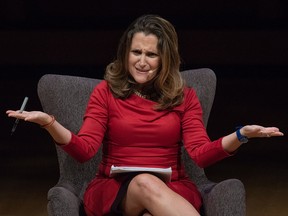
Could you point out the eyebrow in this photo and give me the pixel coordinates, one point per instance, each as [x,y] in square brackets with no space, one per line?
[147,52]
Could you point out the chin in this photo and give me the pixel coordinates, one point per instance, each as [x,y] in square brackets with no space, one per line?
[141,81]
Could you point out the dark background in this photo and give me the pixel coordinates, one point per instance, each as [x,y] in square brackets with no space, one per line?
[244,42]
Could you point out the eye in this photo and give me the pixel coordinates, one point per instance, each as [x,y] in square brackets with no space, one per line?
[136,52]
[152,54]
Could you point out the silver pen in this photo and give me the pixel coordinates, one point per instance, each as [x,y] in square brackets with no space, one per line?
[21,110]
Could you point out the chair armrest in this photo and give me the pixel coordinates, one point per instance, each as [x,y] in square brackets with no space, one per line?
[225,198]
[63,202]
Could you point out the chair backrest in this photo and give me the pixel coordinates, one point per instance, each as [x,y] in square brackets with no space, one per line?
[204,82]
[66,98]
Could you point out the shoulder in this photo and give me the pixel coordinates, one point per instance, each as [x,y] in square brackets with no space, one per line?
[101,90]
[101,87]
[189,93]
[191,100]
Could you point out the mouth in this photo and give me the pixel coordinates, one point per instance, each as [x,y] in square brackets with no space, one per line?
[141,71]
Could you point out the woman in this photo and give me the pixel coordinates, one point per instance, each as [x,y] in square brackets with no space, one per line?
[143,114]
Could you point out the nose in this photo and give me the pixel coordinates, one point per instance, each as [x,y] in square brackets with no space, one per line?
[142,61]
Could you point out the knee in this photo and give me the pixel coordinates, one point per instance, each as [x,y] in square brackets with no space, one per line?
[146,185]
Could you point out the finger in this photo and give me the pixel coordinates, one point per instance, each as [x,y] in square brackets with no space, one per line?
[271,132]
[277,133]
[264,134]
[16,115]
[10,111]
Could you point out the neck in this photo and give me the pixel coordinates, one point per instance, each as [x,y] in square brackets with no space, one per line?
[138,93]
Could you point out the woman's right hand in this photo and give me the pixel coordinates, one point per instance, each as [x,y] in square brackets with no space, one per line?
[60,134]
[37,117]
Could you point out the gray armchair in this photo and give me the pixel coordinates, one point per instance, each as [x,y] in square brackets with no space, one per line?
[66,97]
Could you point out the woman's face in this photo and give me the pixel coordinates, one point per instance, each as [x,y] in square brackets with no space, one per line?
[144,59]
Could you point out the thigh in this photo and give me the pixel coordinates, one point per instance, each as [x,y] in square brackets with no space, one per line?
[188,190]
[148,192]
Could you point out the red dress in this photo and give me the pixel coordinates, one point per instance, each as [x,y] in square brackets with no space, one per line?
[134,134]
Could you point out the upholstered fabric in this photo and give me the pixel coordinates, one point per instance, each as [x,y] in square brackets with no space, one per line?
[66,97]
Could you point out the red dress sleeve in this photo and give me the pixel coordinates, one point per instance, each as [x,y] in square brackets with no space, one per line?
[195,138]
[86,143]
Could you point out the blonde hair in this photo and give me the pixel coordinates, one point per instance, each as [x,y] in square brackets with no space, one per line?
[167,86]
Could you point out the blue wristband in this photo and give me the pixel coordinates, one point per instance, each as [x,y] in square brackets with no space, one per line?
[241,138]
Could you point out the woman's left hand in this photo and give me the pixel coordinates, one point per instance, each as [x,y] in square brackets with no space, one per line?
[251,131]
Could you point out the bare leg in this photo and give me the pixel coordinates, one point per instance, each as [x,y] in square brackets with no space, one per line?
[147,192]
